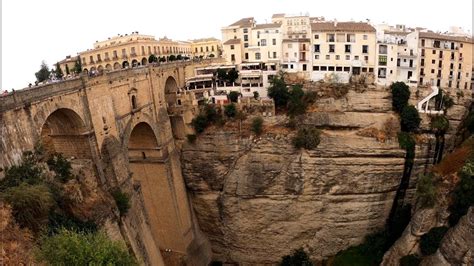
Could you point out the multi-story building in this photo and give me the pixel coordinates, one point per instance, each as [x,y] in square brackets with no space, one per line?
[445,61]
[68,64]
[206,48]
[235,38]
[296,32]
[129,50]
[342,49]
[396,56]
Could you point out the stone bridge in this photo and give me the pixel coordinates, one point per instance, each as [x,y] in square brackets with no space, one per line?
[121,122]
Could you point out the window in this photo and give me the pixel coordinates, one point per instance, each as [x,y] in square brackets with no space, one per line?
[324,68]
[203,50]
[246,30]
[290,45]
[436,44]
[328,57]
[274,41]
[132,51]
[351,38]
[124,52]
[246,38]
[316,48]
[232,57]
[316,56]
[115,54]
[332,48]
[246,56]
[274,54]
[356,57]
[365,37]
[304,67]
[432,71]
[98,58]
[134,102]
[347,69]
[91,59]
[257,56]
[383,49]
[316,36]
[231,47]
[347,48]
[258,34]
[366,58]
[382,60]
[434,51]
[207,48]
[263,42]
[348,57]
[340,37]
[315,68]
[246,45]
[330,38]
[422,63]
[107,55]
[365,49]
[339,69]
[331,68]
[338,57]
[422,42]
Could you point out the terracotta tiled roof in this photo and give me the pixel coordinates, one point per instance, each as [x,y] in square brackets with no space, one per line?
[434,35]
[281,15]
[266,26]
[232,41]
[342,26]
[245,22]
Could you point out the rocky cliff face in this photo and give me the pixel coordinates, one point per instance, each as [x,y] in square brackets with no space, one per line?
[259,198]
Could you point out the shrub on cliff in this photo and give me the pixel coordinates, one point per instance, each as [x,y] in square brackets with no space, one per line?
[307,137]
[463,195]
[27,172]
[31,204]
[299,257]
[426,191]
[430,241]
[410,119]
[230,110]
[440,123]
[71,248]
[122,200]
[296,104]
[60,166]
[257,125]
[199,123]
[400,96]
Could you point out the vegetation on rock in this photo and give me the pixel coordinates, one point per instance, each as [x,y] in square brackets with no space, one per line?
[426,191]
[463,194]
[233,96]
[440,123]
[307,137]
[230,110]
[409,119]
[400,96]
[61,166]
[122,200]
[257,125]
[72,248]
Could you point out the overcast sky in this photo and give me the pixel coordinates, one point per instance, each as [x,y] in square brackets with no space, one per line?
[36,30]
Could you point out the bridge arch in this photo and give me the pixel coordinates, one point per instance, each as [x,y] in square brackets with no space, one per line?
[108,67]
[125,64]
[148,163]
[134,63]
[144,61]
[65,132]
[171,90]
[117,66]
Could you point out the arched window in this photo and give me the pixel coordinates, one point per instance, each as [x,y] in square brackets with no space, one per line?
[134,102]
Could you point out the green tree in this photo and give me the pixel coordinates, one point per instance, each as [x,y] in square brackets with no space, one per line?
[43,73]
[430,241]
[199,123]
[230,110]
[232,75]
[221,74]
[77,66]
[299,257]
[72,248]
[58,72]
[152,59]
[28,172]
[211,56]
[172,57]
[257,125]
[179,57]
[163,59]
[256,95]
[307,137]
[61,166]
[234,96]
[463,195]
[296,105]
[278,91]
[410,119]
[400,96]
[440,123]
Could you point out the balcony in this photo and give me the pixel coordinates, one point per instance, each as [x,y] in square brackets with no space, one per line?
[408,55]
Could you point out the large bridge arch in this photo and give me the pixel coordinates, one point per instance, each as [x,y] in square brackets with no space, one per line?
[64,131]
[148,164]
[171,90]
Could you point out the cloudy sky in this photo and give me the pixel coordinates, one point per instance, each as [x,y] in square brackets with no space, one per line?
[36,30]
